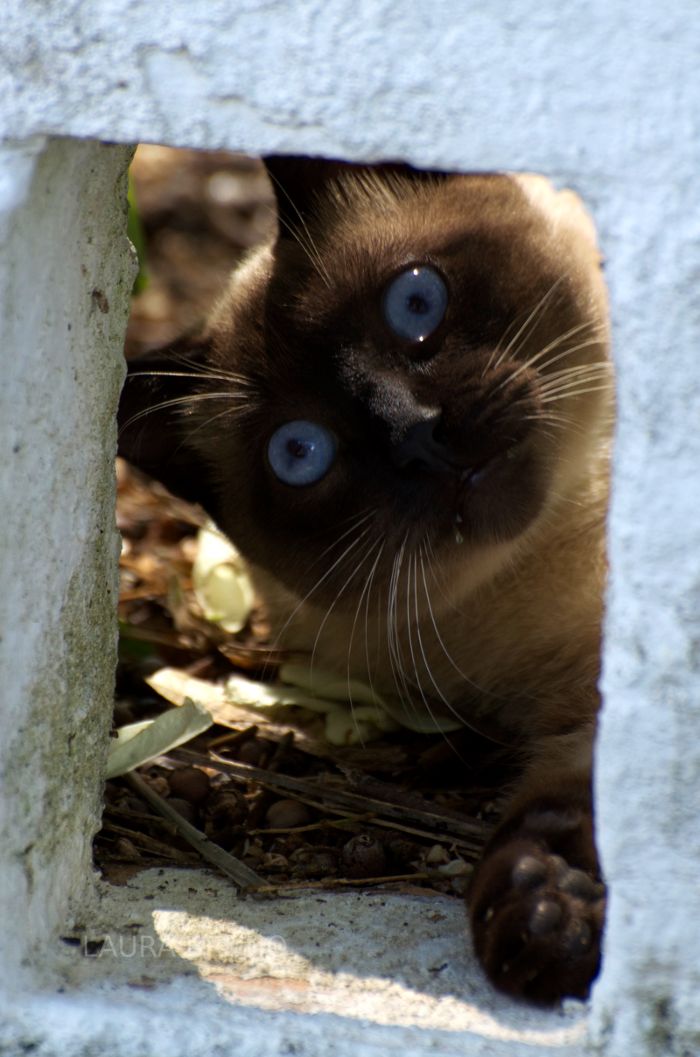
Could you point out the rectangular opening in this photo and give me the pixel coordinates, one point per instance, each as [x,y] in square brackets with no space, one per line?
[442,342]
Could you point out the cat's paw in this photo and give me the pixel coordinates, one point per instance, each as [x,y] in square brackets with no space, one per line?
[536,919]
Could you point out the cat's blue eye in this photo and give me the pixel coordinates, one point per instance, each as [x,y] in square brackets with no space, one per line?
[301,453]
[415,303]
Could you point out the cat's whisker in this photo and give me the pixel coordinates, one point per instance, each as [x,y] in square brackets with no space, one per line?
[370,582]
[389,624]
[426,663]
[418,680]
[302,238]
[559,497]
[413,568]
[531,319]
[574,370]
[541,353]
[207,422]
[355,522]
[600,367]
[433,566]
[379,543]
[197,369]
[239,380]
[590,343]
[587,328]
[393,643]
[553,398]
[588,374]
[322,579]
[354,572]
[448,655]
[306,243]
[573,380]
[178,401]
[368,579]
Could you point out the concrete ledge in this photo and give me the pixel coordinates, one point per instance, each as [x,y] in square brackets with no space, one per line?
[177,957]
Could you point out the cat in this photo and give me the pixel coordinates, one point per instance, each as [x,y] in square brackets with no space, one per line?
[400,412]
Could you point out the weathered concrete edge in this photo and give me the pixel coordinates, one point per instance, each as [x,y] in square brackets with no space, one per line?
[65,279]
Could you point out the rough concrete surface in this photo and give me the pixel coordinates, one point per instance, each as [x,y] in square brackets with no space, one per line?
[455,84]
[375,970]
[65,274]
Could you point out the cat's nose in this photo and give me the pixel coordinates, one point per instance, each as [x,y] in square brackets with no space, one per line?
[423,443]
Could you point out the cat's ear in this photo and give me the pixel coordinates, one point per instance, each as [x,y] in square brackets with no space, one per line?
[298,183]
[154,428]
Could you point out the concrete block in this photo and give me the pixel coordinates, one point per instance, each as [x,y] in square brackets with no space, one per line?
[65,276]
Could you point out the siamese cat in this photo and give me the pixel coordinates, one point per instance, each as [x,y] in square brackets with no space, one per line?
[400,412]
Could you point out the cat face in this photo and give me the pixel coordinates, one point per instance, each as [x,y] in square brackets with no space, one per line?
[417,365]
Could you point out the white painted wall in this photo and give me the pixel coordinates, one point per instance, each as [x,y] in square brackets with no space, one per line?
[600,95]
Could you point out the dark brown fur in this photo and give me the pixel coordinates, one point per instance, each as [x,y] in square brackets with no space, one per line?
[479,599]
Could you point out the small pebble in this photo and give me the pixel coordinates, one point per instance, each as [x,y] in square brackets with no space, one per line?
[227,807]
[252,851]
[437,855]
[189,783]
[158,783]
[456,868]
[287,814]
[364,856]
[274,863]
[402,852]
[126,850]
[314,862]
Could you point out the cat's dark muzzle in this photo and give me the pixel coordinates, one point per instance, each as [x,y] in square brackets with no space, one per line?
[420,446]
[423,448]
[485,490]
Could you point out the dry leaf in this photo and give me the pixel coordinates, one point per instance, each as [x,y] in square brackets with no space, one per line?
[138,743]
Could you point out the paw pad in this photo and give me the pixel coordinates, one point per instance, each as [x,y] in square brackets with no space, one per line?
[545,917]
[529,872]
[537,921]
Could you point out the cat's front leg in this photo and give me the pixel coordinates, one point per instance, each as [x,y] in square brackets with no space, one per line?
[537,901]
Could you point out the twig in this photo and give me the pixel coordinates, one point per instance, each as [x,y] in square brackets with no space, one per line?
[326,823]
[174,640]
[147,843]
[472,849]
[339,882]
[241,874]
[469,834]
[234,737]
